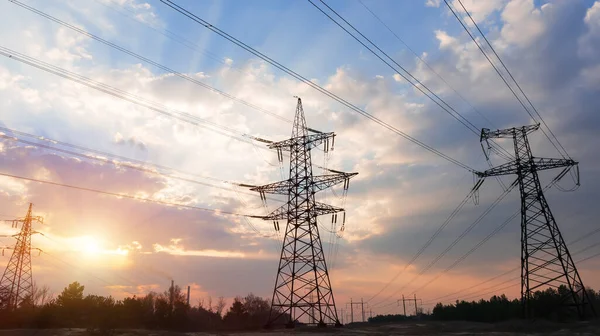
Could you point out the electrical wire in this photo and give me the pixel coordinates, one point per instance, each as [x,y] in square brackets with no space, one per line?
[141,199]
[563,153]
[454,243]
[479,244]
[516,268]
[142,166]
[517,83]
[182,116]
[412,80]
[464,256]
[422,60]
[426,245]
[186,43]
[71,266]
[149,61]
[294,74]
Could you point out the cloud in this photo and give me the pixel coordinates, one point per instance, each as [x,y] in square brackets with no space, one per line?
[400,197]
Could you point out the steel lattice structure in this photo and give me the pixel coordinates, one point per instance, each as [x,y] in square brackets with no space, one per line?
[545,258]
[16,285]
[302,287]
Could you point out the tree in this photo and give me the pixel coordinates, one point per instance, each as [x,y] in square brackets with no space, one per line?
[70,304]
[221,303]
[41,295]
[71,294]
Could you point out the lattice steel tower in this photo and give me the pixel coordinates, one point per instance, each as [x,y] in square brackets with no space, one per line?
[302,287]
[16,285]
[545,259]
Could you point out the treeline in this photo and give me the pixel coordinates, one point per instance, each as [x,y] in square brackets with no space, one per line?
[166,311]
[550,304]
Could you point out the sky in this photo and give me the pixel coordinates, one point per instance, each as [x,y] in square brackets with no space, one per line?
[403,193]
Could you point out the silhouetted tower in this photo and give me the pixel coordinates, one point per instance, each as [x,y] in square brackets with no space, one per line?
[16,285]
[302,287]
[545,259]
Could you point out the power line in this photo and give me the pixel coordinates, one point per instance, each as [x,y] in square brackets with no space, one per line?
[142,166]
[477,294]
[94,276]
[184,42]
[292,73]
[515,81]
[516,268]
[471,251]
[426,245]
[141,199]
[416,84]
[563,153]
[149,61]
[454,243]
[481,242]
[182,116]
[422,60]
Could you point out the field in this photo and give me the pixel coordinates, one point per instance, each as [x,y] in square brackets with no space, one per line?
[425,328]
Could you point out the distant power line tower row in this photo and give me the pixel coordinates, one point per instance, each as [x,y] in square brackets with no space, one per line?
[302,287]
[545,258]
[16,285]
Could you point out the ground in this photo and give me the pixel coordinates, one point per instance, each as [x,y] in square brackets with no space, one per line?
[425,328]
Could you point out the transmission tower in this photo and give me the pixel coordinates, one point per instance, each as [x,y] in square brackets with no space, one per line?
[16,285]
[302,287]
[545,259]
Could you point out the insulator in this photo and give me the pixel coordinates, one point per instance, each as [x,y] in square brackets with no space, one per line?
[332,218]
[277,226]
[332,141]
[344,219]
[335,218]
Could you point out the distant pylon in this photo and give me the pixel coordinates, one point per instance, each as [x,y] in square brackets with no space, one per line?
[16,285]
[545,259]
[302,287]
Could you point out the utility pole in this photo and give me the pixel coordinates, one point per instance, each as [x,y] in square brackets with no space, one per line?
[302,263]
[409,300]
[404,305]
[188,295]
[545,258]
[172,294]
[16,284]
[416,310]
[362,307]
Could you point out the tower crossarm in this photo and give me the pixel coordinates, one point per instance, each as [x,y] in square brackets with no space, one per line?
[319,182]
[536,164]
[486,133]
[309,141]
[322,182]
[281,187]
[282,213]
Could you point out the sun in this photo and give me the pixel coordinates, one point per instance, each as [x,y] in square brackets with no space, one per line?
[92,246]
[88,245]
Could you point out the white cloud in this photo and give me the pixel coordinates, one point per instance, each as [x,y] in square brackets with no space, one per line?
[523,22]
[589,43]
[432,3]
[446,41]
[479,10]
